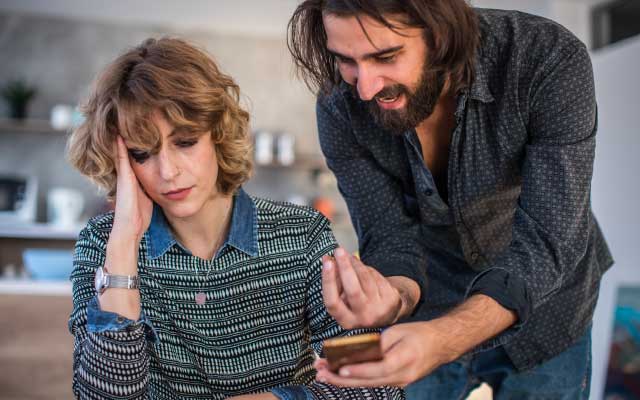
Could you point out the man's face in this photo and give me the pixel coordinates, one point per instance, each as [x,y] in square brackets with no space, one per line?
[386,69]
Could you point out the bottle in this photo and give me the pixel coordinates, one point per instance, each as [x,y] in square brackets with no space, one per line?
[286,149]
[264,148]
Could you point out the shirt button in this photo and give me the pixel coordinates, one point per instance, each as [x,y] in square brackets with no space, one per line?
[428,192]
[474,256]
[120,320]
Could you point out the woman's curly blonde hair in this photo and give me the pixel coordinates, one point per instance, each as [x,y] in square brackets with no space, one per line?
[183,83]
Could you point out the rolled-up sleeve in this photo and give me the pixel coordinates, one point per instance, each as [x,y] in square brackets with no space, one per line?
[111,354]
[551,226]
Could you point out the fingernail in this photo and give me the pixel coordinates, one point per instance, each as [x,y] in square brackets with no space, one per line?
[321,379]
[344,372]
[327,265]
[340,252]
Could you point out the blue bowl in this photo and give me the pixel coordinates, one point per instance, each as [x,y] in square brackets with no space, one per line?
[48,264]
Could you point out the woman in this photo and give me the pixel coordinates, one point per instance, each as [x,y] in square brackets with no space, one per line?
[190,288]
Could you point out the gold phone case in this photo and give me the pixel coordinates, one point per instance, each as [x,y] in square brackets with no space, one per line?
[352,350]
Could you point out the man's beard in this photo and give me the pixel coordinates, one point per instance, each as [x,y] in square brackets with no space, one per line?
[419,104]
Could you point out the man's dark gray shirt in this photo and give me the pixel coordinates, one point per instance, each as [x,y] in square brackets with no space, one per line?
[517,224]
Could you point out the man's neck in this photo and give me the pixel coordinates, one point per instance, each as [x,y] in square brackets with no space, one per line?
[435,132]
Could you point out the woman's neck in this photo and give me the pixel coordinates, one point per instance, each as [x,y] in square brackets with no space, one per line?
[204,232]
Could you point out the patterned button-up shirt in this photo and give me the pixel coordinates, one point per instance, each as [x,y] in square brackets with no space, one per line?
[519,179]
[261,325]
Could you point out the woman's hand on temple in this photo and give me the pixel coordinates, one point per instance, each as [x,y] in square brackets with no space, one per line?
[133,207]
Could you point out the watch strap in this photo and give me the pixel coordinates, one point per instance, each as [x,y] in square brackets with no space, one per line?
[122,281]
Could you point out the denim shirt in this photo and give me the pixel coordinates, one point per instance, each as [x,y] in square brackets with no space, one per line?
[518,224]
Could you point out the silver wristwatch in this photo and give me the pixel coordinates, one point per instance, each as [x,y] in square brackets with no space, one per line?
[106,280]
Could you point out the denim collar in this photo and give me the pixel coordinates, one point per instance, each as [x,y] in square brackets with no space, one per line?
[243,234]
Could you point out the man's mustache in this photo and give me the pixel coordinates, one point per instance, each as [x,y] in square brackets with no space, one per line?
[392,91]
[388,91]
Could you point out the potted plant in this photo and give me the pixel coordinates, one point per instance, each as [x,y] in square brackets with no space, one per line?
[18,93]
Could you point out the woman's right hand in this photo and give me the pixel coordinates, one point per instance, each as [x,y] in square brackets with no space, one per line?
[132,218]
[133,206]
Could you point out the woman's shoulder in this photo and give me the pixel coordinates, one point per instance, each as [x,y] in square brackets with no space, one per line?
[292,223]
[281,211]
[99,226]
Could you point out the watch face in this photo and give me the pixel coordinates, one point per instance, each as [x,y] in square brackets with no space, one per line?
[99,282]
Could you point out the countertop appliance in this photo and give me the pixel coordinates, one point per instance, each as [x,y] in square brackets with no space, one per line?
[18,198]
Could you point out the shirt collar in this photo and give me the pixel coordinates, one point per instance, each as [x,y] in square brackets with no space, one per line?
[486,56]
[480,86]
[243,234]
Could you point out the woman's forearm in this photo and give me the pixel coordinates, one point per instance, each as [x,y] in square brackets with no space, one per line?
[121,259]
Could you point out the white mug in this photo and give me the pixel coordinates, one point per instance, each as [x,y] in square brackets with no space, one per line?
[61,116]
[64,206]
[286,149]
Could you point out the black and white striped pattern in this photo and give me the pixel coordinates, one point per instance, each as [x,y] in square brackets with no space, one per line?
[263,320]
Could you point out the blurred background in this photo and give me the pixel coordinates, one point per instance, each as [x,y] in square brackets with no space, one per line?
[50,50]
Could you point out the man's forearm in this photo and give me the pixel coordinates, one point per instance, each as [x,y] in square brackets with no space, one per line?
[473,322]
[409,292]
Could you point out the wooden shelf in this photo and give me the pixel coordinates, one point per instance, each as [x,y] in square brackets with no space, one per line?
[39,231]
[35,287]
[8,125]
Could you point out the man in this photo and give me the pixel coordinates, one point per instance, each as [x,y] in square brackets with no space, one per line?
[463,143]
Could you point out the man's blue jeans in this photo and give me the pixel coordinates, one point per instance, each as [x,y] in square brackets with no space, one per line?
[565,377]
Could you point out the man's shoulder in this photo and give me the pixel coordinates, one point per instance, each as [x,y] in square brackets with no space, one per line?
[341,110]
[336,101]
[533,37]
[519,23]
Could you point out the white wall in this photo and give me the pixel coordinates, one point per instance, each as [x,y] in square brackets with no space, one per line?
[230,17]
[616,184]
[537,7]
[251,17]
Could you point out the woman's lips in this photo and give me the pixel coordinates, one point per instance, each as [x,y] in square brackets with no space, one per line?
[179,194]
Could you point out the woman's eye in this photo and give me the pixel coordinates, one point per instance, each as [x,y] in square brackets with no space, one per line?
[186,143]
[139,156]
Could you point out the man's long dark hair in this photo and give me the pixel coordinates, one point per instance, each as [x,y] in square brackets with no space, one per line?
[451,34]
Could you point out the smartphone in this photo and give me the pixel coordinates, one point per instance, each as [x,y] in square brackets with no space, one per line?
[352,350]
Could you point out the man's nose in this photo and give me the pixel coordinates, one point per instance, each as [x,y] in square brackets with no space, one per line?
[368,83]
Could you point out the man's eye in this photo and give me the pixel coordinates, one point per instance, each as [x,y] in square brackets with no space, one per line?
[386,59]
[343,60]
[139,156]
[186,143]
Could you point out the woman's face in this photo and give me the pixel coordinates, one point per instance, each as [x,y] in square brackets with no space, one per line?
[181,177]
